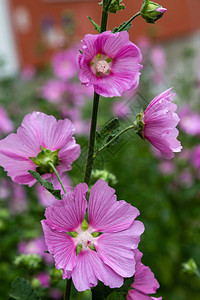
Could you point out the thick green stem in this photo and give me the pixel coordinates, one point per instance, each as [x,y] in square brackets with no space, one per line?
[90,159]
[113,139]
[130,20]
[55,171]
[68,289]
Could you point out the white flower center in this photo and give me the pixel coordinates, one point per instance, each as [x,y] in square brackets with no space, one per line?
[102,67]
[85,239]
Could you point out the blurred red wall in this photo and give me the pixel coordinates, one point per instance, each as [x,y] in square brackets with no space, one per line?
[44,26]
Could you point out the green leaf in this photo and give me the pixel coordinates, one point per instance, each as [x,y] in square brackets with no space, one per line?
[96,26]
[105,134]
[22,290]
[46,184]
[122,27]
[116,6]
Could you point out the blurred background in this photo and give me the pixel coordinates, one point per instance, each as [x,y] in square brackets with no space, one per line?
[39,42]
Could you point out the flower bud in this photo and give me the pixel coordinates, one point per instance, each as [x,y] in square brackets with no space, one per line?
[151,11]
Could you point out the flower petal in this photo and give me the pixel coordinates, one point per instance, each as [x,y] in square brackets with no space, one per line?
[116,249]
[90,268]
[105,213]
[67,214]
[136,295]
[62,246]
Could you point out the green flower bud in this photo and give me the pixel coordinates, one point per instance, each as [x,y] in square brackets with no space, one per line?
[139,125]
[28,261]
[190,266]
[151,11]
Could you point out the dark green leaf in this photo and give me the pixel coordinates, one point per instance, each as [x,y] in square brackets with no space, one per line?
[105,134]
[22,290]
[122,27]
[46,184]
[96,26]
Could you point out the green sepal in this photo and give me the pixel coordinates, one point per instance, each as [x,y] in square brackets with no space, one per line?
[21,289]
[149,13]
[72,233]
[92,247]
[46,184]
[96,234]
[84,225]
[43,158]
[106,133]
[96,26]
[139,125]
[78,249]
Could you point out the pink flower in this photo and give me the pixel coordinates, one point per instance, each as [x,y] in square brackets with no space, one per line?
[189,121]
[39,140]
[35,246]
[144,281]
[6,124]
[44,279]
[28,73]
[158,58]
[65,64]
[53,90]
[104,247]
[160,121]
[110,62]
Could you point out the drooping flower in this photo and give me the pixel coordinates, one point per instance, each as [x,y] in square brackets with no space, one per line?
[65,63]
[109,62]
[158,124]
[39,140]
[144,281]
[101,250]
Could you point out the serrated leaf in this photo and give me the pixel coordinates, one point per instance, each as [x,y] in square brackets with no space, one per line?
[22,290]
[46,184]
[96,26]
[105,134]
[122,27]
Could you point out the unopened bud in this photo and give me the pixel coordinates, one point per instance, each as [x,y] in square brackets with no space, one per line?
[151,11]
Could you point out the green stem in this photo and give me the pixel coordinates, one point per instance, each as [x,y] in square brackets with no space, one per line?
[114,138]
[130,20]
[55,171]
[68,289]
[90,158]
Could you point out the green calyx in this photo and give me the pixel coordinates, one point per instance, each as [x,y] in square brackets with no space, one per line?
[149,11]
[139,125]
[43,159]
[84,225]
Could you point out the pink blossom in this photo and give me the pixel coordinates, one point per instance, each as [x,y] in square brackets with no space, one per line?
[110,62]
[158,58]
[65,64]
[144,281]
[166,167]
[53,90]
[6,125]
[105,246]
[45,197]
[40,139]
[28,73]
[35,246]
[44,279]
[189,121]
[160,121]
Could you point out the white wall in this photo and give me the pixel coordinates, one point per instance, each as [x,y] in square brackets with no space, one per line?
[7,43]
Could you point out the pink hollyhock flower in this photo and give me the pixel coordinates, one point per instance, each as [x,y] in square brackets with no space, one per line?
[144,281]
[28,73]
[166,167]
[44,279]
[160,121]
[39,140]
[53,90]
[189,121]
[109,62]
[101,250]
[35,246]
[6,125]
[158,58]
[45,197]
[65,64]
